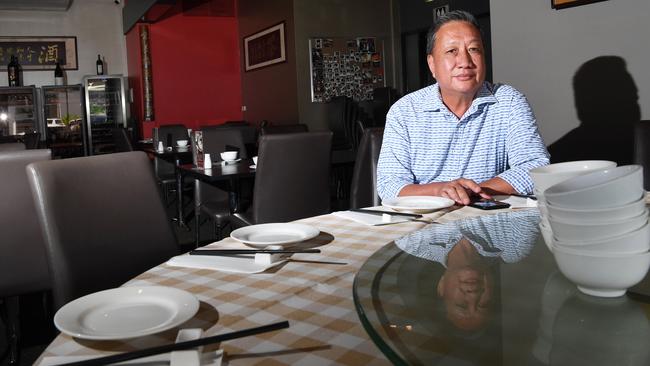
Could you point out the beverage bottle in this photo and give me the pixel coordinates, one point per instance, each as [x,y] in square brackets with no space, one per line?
[13,72]
[58,74]
[100,65]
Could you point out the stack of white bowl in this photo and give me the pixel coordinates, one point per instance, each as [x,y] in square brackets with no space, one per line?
[596,224]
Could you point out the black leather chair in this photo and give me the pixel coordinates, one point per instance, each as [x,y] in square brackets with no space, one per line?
[23,267]
[249,134]
[210,200]
[292,178]
[291,128]
[642,150]
[31,140]
[363,191]
[165,171]
[12,146]
[121,140]
[102,220]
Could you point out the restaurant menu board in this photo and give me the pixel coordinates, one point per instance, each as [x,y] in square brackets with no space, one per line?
[345,67]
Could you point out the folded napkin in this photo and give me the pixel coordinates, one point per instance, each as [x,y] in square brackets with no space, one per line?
[516,201]
[225,263]
[370,219]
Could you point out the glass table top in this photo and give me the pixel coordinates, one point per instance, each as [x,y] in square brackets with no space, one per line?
[486,291]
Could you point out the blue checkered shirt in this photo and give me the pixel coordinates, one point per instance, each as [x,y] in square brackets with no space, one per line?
[424,142]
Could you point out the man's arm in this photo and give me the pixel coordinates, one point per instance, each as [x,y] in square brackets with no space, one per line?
[524,146]
[460,190]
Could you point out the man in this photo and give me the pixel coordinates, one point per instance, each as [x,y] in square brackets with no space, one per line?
[462,136]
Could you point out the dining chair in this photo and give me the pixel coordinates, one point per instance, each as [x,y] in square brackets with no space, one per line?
[363,190]
[165,171]
[291,180]
[23,267]
[102,220]
[289,128]
[121,139]
[213,201]
[12,146]
[31,140]
[249,134]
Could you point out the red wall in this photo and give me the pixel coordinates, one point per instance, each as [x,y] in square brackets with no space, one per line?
[196,70]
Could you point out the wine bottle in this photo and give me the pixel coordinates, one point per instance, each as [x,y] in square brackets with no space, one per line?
[58,74]
[100,65]
[13,72]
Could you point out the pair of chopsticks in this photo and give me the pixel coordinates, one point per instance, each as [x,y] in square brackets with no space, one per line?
[379,212]
[250,251]
[180,346]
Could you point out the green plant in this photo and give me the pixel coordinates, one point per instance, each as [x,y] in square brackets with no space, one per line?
[68,118]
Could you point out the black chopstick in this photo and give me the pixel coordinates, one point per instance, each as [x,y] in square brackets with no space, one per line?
[531,196]
[250,251]
[379,212]
[180,346]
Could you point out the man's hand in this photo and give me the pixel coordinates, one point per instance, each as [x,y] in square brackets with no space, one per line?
[460,190]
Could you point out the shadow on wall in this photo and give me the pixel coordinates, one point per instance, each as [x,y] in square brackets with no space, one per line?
[606,100]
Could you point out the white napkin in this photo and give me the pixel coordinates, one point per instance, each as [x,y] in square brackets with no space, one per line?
[370,219]
[236,264]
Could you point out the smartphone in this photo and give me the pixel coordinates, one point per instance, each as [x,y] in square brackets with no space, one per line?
[484,204]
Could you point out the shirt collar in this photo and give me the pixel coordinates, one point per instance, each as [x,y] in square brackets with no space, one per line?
[435,104]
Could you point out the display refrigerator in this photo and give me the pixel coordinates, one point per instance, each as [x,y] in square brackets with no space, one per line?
[19,112]
[107,107]
[64,117]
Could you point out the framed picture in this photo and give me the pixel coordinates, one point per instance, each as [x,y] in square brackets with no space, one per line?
[39,53]
[561,4]
[264,48]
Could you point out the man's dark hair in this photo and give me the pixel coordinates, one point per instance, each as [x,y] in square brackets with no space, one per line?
[456,15]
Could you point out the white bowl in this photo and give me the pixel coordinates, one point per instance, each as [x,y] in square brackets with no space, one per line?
[603,275]
[600,189]
[255,160]
[545,176]
[626,211]
[585,231]
[547,234]
[637,241]
[229,155]
[181,143]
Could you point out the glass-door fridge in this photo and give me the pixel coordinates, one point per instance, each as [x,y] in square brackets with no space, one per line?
[107,106]
[19,112]
[63,113]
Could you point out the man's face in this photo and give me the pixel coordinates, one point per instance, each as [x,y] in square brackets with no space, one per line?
[457,60]
[467,294]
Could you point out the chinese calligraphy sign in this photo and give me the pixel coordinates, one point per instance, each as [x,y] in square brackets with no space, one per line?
[39,53]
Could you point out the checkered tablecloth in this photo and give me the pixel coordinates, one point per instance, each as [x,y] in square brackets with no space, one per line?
[312,291]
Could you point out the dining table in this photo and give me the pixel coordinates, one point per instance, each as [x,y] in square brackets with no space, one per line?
[369,297]
[220,172]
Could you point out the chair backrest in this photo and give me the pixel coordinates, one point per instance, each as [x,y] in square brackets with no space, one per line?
[23,267]
[276,129]
[642,150]
[249,134]
[102,219]
[121,140]
[363,191]
[216,138]
[31,140]
[176,131]
[292,177]
[12,146]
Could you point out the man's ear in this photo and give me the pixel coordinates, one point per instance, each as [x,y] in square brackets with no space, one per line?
[441,285]
[430,63]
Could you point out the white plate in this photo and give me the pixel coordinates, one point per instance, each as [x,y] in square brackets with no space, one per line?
[418,204]
[263,235]
[126,312]
[230,161]
[253,166]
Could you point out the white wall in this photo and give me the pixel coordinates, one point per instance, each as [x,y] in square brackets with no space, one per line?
[97,24]
[538,50]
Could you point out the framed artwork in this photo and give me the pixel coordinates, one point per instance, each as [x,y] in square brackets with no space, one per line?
[265,48]
[39,53]
[561,4]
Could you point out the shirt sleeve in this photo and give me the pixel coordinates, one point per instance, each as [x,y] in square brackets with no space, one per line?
[394,166]
[524,146]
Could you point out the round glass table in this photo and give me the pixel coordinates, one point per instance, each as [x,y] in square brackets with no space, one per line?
[486,291]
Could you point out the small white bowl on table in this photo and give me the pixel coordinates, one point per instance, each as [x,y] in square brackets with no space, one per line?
[633,242]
